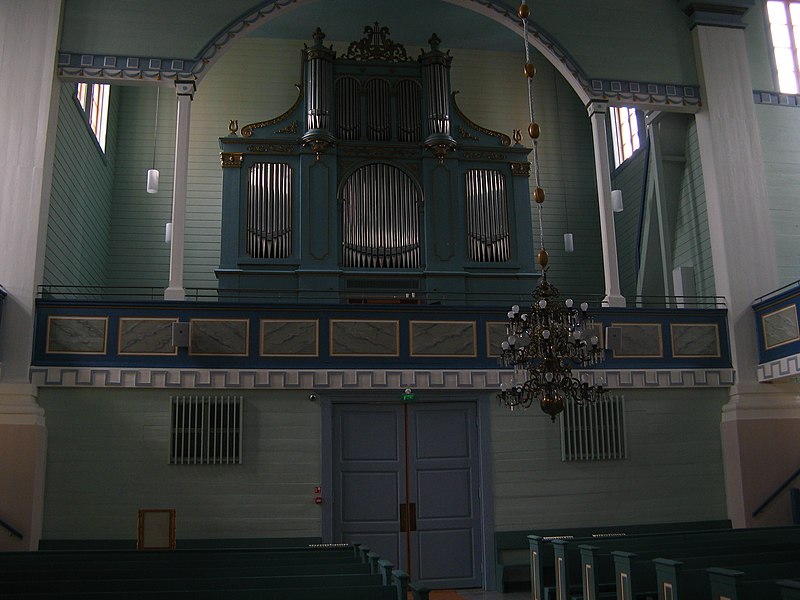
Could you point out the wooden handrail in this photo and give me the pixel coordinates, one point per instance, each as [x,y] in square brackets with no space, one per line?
[11,531]
[774,494]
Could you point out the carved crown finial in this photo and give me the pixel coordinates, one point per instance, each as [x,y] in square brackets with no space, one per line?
[376,45]
[318,36]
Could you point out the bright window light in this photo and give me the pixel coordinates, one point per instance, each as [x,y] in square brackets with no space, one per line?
[82,94]
[624,133]
[93,99]
[784,28]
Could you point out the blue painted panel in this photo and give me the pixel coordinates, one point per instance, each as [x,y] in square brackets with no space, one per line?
[774,345]
[249,317]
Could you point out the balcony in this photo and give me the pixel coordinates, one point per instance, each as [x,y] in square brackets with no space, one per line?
[778,333]
[130,338]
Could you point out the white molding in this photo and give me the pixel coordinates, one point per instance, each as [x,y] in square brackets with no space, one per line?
[18,405]
[313,379]
[787,366]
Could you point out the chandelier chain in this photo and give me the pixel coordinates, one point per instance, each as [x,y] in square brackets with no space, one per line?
[545,342]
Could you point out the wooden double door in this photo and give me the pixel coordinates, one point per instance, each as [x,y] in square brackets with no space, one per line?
[406,484]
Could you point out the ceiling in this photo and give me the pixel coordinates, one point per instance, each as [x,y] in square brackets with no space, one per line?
[183,28]
[410,22]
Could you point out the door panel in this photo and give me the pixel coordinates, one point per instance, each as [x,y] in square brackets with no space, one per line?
[369,467]
[444,482]
[431,466]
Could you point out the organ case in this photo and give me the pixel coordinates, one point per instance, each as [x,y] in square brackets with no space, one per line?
[374,184]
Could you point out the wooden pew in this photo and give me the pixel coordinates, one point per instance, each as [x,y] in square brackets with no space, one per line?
[789,588]
[637,572]
[756,581]
[512,547]
[145,584]
[597,573]
[350,573]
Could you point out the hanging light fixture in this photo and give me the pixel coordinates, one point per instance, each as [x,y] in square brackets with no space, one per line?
[544,343]
[152,174]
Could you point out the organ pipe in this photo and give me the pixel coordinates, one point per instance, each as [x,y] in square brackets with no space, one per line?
[380,219]
[318,88]
[488,235]
[269,211]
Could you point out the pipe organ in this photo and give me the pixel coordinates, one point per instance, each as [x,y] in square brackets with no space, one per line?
[374,185]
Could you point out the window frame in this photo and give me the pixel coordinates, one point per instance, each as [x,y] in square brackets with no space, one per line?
[93,100]
[617,125]
[794,44]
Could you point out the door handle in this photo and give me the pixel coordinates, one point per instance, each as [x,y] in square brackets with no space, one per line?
[408,517]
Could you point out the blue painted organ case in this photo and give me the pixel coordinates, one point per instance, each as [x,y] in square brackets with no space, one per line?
[375,187]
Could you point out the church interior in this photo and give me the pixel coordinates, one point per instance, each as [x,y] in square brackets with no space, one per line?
[428,276]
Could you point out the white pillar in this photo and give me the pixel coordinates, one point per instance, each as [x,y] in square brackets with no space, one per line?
[29,97]
[185,91]
[597,114]
[759,423]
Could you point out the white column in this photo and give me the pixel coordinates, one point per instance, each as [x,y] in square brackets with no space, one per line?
[29,100]
[176,290]
[759,423]
[597,114]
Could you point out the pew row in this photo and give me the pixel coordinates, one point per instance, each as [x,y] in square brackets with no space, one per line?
[622,566]
[341,573]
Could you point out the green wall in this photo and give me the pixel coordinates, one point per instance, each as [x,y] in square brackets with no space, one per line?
[139,256]
[780,141]
[692,245]
[629,179]
[673,471]
[107,457]
[80,201]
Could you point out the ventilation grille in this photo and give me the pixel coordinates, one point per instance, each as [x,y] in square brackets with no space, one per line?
[379,284]
[594,431]
[205,430]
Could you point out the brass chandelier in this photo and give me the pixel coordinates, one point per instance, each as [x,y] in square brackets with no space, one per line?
[544,343]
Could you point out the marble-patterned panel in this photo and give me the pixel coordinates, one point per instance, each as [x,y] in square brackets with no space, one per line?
[496,334]
[219,336]
[77,335]
[780,327]
[694,340]
[365,338]
[443,338]
[289,337]
[639,340]
[146,336]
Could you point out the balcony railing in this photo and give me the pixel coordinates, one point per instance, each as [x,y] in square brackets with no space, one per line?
[359,293]
[778,333]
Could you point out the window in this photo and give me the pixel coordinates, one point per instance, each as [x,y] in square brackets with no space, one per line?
[784,28]
[624,133]
[205,430]
[594,431]
[93,99]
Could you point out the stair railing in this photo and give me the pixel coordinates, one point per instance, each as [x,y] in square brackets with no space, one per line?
[775,494]
[11,531]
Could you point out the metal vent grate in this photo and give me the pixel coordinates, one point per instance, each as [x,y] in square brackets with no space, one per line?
[205,430]
[378,284]
[594,431]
